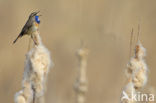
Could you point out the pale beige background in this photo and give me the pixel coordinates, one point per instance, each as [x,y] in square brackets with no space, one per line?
[105,27]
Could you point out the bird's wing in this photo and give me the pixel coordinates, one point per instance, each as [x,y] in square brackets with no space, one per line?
[26,27]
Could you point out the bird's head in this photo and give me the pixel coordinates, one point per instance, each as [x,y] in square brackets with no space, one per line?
[34,15]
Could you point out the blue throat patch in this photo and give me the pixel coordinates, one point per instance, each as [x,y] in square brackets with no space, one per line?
[37,19]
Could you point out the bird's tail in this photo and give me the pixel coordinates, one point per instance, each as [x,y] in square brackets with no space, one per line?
[16,39]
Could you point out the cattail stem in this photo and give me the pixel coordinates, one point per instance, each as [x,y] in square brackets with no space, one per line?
[81,82]
[34,94]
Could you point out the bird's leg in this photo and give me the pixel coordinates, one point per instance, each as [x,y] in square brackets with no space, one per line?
[33,38]
[29,44]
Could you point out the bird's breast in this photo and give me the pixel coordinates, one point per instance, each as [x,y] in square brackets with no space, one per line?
[36,24]
[33,28]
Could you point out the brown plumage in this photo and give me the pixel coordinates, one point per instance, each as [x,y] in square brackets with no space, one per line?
[28,28]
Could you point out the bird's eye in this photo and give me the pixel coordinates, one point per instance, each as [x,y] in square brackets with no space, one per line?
[37,19]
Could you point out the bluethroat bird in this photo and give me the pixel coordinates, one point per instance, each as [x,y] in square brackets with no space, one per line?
[30,27]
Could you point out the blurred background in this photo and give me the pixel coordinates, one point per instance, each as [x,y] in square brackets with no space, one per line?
[105,27]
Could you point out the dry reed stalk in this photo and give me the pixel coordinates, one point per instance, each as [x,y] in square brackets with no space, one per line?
[131,41]
[37,65]
[136,72]
[80,85]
